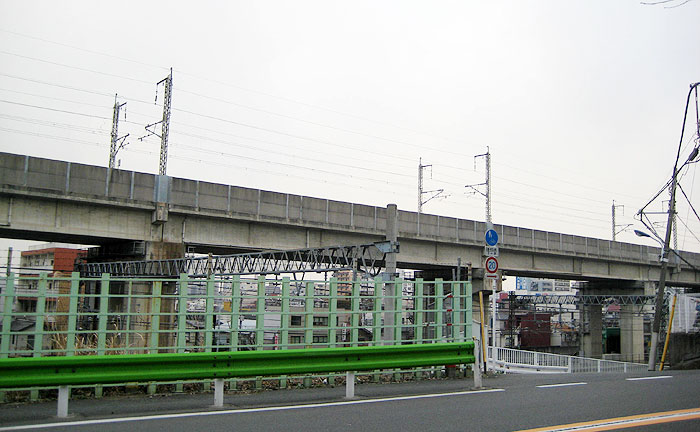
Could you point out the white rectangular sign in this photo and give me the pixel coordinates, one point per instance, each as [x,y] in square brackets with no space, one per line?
[491,251]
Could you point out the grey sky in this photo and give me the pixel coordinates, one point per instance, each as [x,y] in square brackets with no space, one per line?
[580,102]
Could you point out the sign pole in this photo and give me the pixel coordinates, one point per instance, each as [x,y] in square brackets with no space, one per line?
[491,273]
[494,284]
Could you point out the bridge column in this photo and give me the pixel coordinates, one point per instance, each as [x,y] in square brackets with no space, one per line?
[147,310]
[162,250]
[631,334]
[593,340]
[392,230]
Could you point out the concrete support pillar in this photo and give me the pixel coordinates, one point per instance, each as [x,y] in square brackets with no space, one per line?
[142,302]
[631,334]
[168,319]
[389,301]
[593,341]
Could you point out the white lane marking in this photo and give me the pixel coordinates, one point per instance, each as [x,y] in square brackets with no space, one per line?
[242,411]
[650,378]
[562,385]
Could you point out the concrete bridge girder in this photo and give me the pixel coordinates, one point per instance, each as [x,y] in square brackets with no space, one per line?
[53,200]
[43,216]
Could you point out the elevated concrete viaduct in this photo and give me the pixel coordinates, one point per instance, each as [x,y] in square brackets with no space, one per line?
[45,199]
[42,199]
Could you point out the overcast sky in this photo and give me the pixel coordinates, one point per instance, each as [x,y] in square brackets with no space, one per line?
[580,102]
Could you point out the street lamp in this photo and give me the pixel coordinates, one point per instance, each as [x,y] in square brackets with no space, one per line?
[643,234]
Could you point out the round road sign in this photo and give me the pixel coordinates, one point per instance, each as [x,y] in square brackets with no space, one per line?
[491,265]
[491,237]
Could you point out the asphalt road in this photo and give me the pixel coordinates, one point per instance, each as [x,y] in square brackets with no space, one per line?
[508,403]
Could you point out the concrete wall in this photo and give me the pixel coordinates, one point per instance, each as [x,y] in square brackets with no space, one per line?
[684,351]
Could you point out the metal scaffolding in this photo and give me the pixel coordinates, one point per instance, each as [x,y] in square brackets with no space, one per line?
[586,299]
[369,258]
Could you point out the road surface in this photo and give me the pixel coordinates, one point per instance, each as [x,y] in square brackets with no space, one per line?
[645,402]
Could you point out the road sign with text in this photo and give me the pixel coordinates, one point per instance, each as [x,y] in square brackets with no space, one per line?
[491,266]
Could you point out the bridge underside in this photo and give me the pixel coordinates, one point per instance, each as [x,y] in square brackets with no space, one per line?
[37,216]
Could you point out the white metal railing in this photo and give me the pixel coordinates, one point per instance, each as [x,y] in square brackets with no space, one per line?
[518,361]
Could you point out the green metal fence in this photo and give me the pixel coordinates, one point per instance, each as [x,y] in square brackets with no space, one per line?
[66,315]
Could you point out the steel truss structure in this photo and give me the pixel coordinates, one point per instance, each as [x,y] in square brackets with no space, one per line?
[369,258]
[586,299]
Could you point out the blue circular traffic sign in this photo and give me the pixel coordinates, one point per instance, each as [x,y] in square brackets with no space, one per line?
[491,237]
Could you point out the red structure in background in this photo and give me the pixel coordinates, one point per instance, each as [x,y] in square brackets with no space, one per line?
[52,259]
[534,328]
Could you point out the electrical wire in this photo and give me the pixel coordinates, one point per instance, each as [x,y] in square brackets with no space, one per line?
[74,67]
[337,145]
[295,166]
[403,143]
[264,129]
[279,132]
[208,79]
[53,109]
[220,100]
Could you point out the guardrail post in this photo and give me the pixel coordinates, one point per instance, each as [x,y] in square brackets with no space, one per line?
[349,384]
[219,392]
[476,366]
[63,396]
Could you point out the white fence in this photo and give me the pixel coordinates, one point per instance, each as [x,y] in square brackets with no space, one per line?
[517,361]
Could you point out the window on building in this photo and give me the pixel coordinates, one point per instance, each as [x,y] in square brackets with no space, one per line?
[320,339]
[320,321]
[30,342]
[295,320]
[295,339]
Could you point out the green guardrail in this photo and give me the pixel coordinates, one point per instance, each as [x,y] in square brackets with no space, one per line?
[128,368]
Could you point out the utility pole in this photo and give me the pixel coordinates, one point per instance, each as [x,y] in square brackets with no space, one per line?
[675,228]
[436,193]
[656,325]
[117,142]
[615,226]
[487,183]
[164,122]
[168,91]
[489,225]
